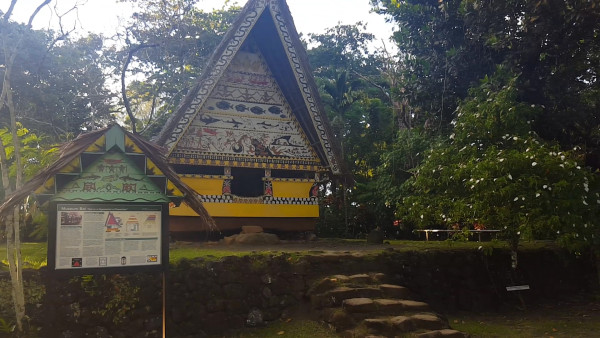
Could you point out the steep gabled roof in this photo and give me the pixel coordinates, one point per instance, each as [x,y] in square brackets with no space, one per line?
[70,152]
[269,23]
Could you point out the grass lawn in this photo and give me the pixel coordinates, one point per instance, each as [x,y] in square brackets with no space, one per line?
[35,253]
[302,328]
[567,318]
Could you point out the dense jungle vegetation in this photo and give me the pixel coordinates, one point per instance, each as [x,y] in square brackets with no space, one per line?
[487,116]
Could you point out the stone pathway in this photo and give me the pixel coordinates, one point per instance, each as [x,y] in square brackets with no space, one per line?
[365,305]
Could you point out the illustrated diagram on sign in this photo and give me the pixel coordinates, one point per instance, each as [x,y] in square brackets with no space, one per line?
[150,220]
[132,223]
[113,223]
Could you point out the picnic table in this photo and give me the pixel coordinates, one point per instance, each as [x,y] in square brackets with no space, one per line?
[451,232]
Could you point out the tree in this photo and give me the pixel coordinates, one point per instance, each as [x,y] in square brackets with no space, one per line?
[13,38]
[552,44]
[166,44]
[496,171]
[59,85]
[357,103]
[440,58]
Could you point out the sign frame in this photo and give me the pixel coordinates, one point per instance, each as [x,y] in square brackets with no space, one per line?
[53,240]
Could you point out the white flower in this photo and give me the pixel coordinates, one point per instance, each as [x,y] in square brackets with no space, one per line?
[561,165]
[421,216]
[545,186]
[515,138]
[501,160]
[562,158]
[452,137]
[584,202]
[510,176]
[533,164]
[537,195]
[578,167]
[516,199]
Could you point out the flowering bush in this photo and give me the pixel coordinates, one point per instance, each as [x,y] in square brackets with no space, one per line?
[495,170]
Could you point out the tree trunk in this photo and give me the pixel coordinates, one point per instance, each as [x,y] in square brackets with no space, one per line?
[12,220]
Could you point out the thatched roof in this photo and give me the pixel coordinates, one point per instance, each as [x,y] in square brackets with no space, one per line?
[270,24]
[71,150]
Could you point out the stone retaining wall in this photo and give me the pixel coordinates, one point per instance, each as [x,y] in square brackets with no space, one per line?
[212,297]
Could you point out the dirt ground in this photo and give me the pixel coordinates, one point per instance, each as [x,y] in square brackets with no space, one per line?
[317,246]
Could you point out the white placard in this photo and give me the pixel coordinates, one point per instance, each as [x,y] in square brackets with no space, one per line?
[107,236]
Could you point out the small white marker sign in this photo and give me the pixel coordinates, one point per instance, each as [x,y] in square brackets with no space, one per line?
[517,288]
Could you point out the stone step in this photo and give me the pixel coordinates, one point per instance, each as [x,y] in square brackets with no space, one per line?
[400,325]
[359,305]
[357,280]
[363,305]
[336,296]
[383,306]
[397,306]
[445,333]
[405,323]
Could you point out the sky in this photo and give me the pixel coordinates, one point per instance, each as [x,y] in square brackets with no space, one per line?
[310,16]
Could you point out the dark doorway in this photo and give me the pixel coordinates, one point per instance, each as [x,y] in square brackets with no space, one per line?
[247,182]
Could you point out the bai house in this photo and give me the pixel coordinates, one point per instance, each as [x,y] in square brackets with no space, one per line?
[252,137]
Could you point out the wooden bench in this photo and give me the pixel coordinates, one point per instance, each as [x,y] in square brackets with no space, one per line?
[452,232]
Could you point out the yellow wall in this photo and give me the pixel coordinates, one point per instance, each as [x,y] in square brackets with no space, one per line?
[213,186]
[250,210]
[291,189]
[205,186]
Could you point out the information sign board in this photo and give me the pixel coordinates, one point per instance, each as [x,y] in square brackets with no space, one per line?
[96,236]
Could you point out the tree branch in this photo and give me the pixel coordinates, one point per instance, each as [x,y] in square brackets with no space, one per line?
[37,10]
[124,86]
[9,11]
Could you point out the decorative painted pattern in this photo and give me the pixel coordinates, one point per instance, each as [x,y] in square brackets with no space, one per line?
[209,82]
[227,177]
[277,179]
[245,161]
[227,89]
[302,81]
[258,200]
[111,178]
[237,126]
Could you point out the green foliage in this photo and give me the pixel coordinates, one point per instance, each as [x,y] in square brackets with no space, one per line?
[34,294]
[441,60]
[35,152]
[118,295]
[58,83]
[6,327]
[496,171]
